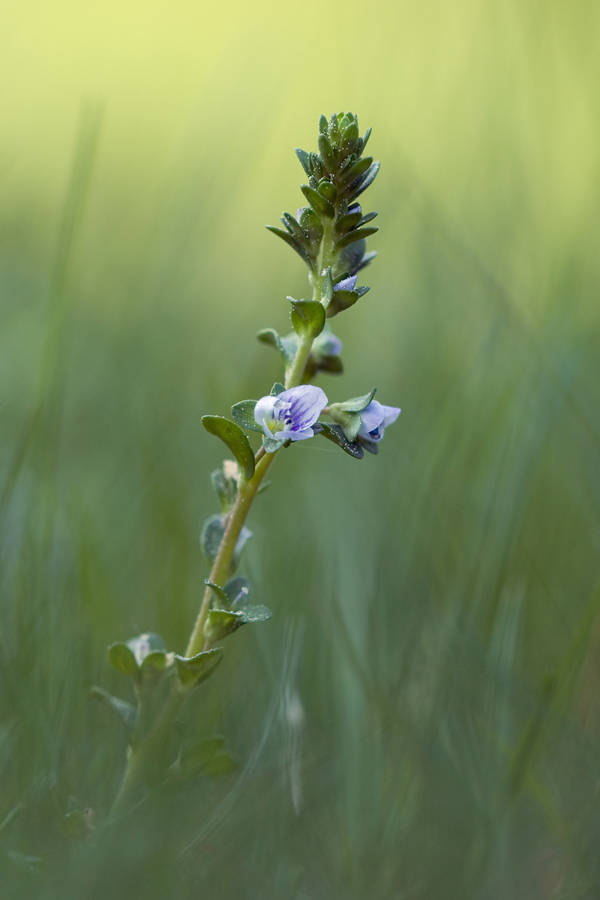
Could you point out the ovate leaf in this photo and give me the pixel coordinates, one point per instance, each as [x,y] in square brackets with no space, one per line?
[243,413]
[232,435]
[308,317]
[335,433]
[193,670]
[122,658]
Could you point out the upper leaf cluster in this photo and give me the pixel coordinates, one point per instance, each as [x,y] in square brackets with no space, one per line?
[337,175]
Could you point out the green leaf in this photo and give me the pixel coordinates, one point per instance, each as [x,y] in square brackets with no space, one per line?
[277,389]
[285,345]
[218,591]
[323,125]
[270,337]
[370,446]
[125,711]
[341,301]
[232,435]
[295,230]
[221,764]
[251,614]
[356,404]
[368,218]
[327,154]
[271,445]
[193,670]
[304,158]
[350,422]
[308,317]
[327,289]
[223,622]
[358,235]
[346,223]
[212,535]
[243,413]
[367,181]
[311,223]
[366,137]
[319,203]
[349,138]
[292,242]
[327,189]
[335,433]
[358,170]
[220,623]
[317,167]
[334,129]
[122,658]
[156,660]
[238,592]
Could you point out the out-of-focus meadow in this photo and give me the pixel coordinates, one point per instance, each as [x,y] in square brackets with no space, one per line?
[420,718]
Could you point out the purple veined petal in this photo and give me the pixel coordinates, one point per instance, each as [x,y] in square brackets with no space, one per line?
[306,404]
[371,417]
[348,284]
[302,435]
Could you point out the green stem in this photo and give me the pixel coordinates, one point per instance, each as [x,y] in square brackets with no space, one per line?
[142,758]
[220,570]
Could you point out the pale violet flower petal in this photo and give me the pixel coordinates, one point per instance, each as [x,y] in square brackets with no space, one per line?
[375,418]
[295,435]
[371,417]
[306,404]
[348,284]
[291,415]
[391,413]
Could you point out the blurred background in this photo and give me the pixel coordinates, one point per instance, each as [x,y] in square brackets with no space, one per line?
[420,719]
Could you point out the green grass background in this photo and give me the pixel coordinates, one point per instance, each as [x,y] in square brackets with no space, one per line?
[435,608]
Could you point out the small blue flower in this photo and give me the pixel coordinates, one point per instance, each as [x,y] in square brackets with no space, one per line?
[291,415]
[375,418]
[348,284]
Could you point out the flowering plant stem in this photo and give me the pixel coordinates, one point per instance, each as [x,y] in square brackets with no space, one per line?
[330,237]
[142,758]
[220,570]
